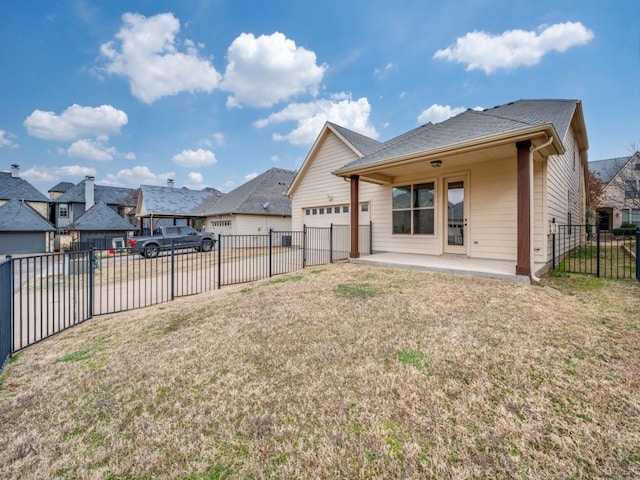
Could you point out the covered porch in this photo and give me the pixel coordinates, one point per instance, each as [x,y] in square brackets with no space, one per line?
[459,265]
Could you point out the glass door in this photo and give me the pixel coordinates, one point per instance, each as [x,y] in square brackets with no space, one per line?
[455,217]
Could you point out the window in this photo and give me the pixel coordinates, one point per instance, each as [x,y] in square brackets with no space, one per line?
[364,207]
[322,211]
[635,216]
[336,210]
[329,210]
[315,211]
[413,209]
[625,215]
[345,209]
[631,189]
[63,210]
[220,223]
[307,212]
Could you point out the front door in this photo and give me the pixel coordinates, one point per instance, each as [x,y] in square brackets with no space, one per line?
[455,216]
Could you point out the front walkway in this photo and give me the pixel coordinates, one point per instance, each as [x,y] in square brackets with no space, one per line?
[475,267]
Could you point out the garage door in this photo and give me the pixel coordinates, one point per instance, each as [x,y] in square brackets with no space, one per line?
[22,242]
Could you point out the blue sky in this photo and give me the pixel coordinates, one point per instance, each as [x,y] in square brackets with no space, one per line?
[213,92]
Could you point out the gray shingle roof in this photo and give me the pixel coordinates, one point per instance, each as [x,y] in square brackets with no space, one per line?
[363,143]
[62,187]
[100,218]
[16,216]
[102,193]
[607,169]
[20,189]
[474,125]
[267,189]
[175,201]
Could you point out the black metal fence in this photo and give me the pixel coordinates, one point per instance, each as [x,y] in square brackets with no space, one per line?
[42,295]
[589,250]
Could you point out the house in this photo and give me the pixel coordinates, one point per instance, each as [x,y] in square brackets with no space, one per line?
[81,197]
[12,186]
[59,189]
[23,229]
[253,208]
[482,185]
[620,199]
[99,227]
[168,205]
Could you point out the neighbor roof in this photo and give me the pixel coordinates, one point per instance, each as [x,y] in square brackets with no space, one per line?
[62,187]
[175,201]
[474,125]
[17,216]
[19,188]
[101,193]
[101,218]
[262,195]
[607,169]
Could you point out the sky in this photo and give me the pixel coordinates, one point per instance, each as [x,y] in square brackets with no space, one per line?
[212,93]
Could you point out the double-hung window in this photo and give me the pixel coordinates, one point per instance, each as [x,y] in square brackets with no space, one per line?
[631,189]
[413,208]
[63,210]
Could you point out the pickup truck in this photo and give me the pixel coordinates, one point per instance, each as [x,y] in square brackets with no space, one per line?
[178,236]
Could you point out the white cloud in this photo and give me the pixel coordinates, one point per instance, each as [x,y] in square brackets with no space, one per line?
[195,181]
[340,109]
[5,139]
[380,72]
[438,113]
[195,158]
[136,176]
[75,122]
[218,137]
[250,176]
[96,150]
[514,48]
[266,70]
[275,158]
[145,51]
[52,175]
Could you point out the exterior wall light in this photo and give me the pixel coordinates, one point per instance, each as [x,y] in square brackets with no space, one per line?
[436,163]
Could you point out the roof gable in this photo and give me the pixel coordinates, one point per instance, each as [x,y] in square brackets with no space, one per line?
[17,216]
[20,189]
[607,169]
[101,218]
[263,195]
[473,125]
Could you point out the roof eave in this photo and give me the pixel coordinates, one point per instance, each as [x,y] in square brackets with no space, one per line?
[544,132]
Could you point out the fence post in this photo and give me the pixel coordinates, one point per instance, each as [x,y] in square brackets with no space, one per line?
[331,243]
[597,250]
[638,255]
[370,237]
[304,246]
[173,256]
[270,252]
[92,253]
[219,261]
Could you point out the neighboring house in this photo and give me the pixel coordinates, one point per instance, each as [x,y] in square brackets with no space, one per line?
[254,207]
[483,184]
[620,199]
[99,227]
[168,205]
[23,230]
[12,186]
[81,197]
[58,190]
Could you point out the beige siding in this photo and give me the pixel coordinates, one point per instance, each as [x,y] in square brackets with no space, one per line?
[247,224]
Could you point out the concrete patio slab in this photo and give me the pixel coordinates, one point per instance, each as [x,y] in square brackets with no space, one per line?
[476,267]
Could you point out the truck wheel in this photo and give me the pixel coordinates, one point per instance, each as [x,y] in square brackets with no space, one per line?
[151,251]
[206,245]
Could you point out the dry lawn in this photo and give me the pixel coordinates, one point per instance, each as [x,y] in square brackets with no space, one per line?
[341,372]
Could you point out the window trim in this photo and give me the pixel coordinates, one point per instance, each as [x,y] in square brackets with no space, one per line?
[411,209]
[60,207]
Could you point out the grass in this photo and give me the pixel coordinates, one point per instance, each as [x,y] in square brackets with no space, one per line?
[417,375]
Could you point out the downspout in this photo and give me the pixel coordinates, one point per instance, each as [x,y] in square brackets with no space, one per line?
[531,200]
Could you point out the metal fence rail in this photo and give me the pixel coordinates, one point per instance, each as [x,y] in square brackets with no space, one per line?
[42,295]
[586,249]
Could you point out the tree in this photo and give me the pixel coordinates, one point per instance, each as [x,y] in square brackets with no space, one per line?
[596,189]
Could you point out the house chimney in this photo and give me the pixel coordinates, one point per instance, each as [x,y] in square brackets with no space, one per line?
[89,192]
[170,182]
[15,170]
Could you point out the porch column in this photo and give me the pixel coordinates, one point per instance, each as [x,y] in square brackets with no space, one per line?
[355,215]
[523,265]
